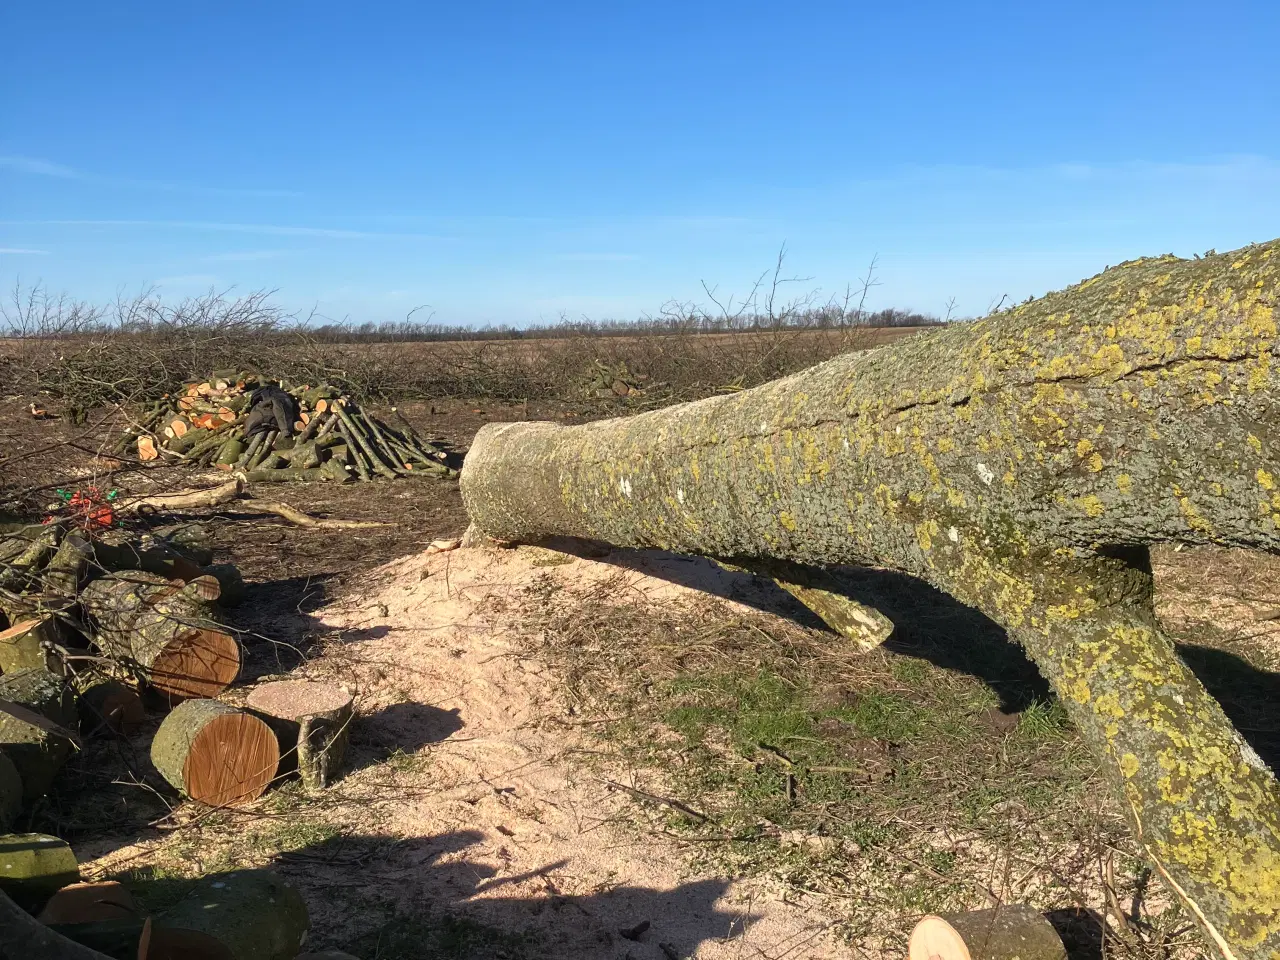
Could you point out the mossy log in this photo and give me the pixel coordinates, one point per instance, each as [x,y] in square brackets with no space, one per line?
[165,629]
[242,915]
[107,705]
[33,866]
[1023,464]
[1009,932]
[29,644]
[312,722]
[215,753]
[37,727]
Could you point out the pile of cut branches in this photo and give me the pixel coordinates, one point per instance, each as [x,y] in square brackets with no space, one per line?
[230,422]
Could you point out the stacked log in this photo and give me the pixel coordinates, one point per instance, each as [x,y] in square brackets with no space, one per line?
[312,722]
[37,727]
[216,754]
[332,439]
[165,629]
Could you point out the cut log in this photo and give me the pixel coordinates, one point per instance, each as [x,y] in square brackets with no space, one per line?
[165,630]
[312,721]
[37,727]
[1009,932]
[147,449]
[1022,464]
[215,753]
[11,792]
[46,693]
[107,706]
[254,914]
[27,645]
[178,426]
[243,915]
[34,866]
[69,567]
[89,903]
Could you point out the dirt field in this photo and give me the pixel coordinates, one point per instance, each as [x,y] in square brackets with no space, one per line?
[556,746]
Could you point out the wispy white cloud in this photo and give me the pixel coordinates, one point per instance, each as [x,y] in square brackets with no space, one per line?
[47,168]
[24,250]
[244,256]
[42,168]
[266,229]
[598,257]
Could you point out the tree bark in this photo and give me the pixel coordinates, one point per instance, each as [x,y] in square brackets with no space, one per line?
[1005,461]
[33,866]
[23,646]
[37,724]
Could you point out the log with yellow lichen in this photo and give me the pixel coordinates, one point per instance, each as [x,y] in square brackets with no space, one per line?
[1022,463]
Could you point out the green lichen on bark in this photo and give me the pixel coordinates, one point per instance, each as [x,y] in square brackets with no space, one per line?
[1002,461]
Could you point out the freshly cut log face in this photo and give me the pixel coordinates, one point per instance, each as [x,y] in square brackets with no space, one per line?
[215,753]
[312,721]
[89,902]
[1011,932]
[166,629]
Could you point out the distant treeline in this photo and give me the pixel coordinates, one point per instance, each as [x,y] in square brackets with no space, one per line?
[409,331]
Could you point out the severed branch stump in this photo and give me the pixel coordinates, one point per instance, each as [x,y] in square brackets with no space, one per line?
[312,721]
[164,628]
[215,753]
[1010,932]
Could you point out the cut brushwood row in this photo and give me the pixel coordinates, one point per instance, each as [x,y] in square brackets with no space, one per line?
[212,424]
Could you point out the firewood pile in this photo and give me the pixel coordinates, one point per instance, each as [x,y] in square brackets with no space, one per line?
[98,629]
[272,431]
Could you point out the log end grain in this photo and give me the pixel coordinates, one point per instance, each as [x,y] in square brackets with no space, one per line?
[198,662]
[215,753]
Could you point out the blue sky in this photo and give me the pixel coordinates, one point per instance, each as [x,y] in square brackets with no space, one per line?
[506,162]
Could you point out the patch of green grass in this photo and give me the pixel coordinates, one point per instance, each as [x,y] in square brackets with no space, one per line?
[878,778]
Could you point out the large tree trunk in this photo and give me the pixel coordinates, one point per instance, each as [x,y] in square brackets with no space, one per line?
[1022,464]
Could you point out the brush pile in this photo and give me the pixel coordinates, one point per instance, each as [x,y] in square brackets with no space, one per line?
[272,431]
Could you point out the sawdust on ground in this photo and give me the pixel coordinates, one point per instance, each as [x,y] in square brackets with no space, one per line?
[495,815]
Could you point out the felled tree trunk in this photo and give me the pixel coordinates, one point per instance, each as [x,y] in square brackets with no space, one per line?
[1021,463]
[165,629]
[1010,932]
[215,753]
[37,723]
[312,721]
